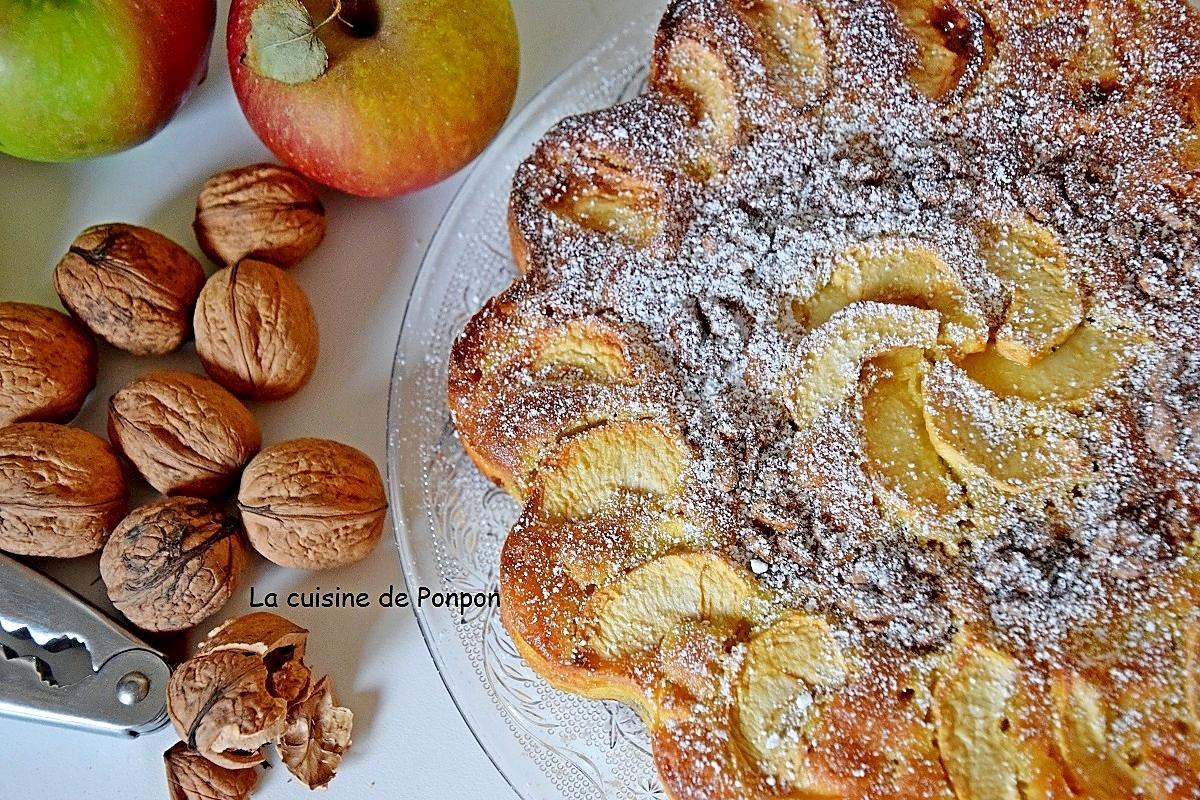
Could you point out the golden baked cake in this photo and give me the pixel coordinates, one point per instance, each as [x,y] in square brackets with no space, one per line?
[851,392]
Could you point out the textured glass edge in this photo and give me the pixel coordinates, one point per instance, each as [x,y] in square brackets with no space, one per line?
[407,497]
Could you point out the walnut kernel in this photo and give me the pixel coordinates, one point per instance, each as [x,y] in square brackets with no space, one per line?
[173,563]
[183,433]
[191,776]
[312,504]
[317,736]
[261,211]
[255,331]
[47,364]
[61,490]
[130,286]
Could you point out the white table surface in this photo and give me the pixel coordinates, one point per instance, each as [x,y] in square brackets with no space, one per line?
[409,741]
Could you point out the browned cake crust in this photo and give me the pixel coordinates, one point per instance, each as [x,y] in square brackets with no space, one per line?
[851,391]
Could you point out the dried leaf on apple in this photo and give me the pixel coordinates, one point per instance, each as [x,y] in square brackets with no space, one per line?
[283,44]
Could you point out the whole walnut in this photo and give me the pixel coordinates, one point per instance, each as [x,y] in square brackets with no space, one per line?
[47,364]
[183,433]
[255,331]
[312,504]
[130,286]
[61,490]
[261,211]
[173,563]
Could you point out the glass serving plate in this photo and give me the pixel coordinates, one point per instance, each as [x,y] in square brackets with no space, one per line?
[450,522]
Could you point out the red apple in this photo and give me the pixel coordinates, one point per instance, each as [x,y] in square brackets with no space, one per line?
[401,94]
[87,77]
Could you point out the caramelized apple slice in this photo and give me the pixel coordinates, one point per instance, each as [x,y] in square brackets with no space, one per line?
[1046,304]
[692,71]
[1088,361]
[950,44]
[591,469]
[833,355]
[787,668]
[907,273]
[976,731]
[608,197]
[899,453]
[1014,444]
[1095,69]
[635,614]
[585,346]
[1083,741]
[791,42]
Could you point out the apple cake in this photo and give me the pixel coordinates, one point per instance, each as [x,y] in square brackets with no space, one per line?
[850,390]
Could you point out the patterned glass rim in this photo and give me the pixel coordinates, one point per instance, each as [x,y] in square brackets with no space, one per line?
[404,390]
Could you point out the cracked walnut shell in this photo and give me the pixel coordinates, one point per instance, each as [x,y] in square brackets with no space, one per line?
[312,504]
[256,333]
[183,433]
[47,364]
[130,286]
[261,211]
[173,563]
[248,685]
[61,490]
[224,708]
[191,776]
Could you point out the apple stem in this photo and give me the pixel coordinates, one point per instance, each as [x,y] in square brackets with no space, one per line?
[360,18]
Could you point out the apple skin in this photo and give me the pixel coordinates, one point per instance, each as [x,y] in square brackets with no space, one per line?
[81,78]
[396,111]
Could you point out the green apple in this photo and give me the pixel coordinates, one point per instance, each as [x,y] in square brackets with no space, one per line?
[80,78]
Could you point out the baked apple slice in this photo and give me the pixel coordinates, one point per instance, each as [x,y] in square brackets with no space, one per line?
[950,44]
[1077,370]
[592,469]
[831,357]
[635,614]
[787,668]
[977,729]
[1082,733]
[905,273]
[1046,304]
[899,454]
[791,43]
[1015,445]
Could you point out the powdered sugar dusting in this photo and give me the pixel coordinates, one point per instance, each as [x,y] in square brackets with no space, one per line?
[1105,501]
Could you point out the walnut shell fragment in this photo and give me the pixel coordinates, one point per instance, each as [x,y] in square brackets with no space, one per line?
[61,490]
[270,636]
[256,333]
[183,433]
[191,776]
[130,286]
[173,563]
[47,364]
[262,211]
[317,736]
[312,504]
